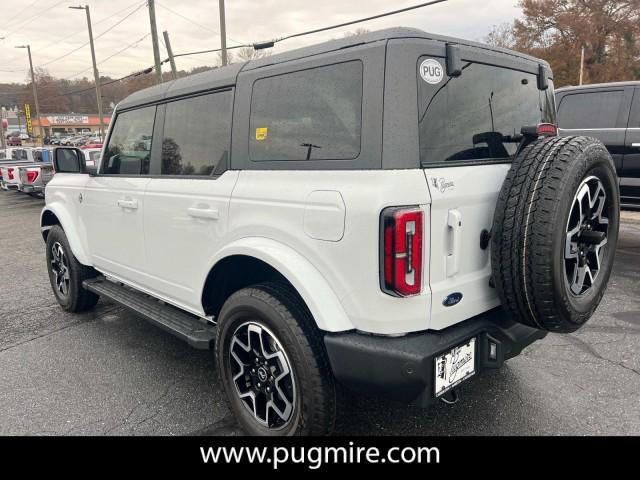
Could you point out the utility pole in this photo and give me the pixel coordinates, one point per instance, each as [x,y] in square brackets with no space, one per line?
[154,39]
[35,91]
[581,64]
[3,140]
[96,75]
[172,61]
[223,33]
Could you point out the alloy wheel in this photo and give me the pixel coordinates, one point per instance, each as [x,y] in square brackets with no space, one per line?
[586,235]
[262,375]
[60,269]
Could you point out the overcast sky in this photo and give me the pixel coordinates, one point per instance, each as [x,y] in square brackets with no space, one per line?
[53,30]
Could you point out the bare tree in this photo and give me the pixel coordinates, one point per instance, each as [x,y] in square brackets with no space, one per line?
[501,36]
[249,53]
[356,32]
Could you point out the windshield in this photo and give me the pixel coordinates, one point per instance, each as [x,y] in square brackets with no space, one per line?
[478,115]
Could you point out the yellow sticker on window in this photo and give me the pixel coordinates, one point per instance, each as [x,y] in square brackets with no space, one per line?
[261,133]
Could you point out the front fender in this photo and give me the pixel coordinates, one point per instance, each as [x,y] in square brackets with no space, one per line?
[67,223]
[306,279]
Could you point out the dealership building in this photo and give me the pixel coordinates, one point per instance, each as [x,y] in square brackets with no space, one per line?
[74,123]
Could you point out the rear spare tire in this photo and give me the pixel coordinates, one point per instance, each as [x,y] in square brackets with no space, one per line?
[555,232]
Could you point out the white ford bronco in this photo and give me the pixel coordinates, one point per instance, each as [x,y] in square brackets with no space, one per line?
[392,213]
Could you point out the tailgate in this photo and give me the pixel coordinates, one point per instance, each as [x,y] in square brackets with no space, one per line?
[463,202]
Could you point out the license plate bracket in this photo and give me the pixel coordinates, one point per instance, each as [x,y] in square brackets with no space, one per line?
[454,366]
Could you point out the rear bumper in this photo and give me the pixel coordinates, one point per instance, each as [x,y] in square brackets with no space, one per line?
[402,368]
[31,188]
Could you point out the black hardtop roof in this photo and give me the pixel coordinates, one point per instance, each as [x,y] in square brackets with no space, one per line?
[226,76]
[634,83]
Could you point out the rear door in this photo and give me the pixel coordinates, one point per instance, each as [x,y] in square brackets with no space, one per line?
[113,201]
[187,201]
[466,129]
[601,113]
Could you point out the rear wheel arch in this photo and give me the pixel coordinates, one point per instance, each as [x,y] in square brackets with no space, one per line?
[232,274]
[257,260]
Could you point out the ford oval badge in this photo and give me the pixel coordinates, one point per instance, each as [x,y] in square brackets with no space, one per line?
[452,299]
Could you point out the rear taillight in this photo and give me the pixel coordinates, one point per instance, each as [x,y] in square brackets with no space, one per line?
[32,175]
[10,173]
[401,250]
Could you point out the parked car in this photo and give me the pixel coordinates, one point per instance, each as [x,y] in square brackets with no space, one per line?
[324,216]
[35,176]
[14,141]
[9,168]
[609,112]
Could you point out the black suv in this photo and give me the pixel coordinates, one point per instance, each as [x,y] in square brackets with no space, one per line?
[609,112]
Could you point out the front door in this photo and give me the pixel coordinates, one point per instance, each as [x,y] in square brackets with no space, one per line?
[113,201]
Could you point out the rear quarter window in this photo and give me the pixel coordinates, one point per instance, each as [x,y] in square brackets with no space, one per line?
[474,116]
[313,114]
[590,110]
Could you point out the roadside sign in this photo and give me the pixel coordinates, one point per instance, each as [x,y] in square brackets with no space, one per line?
[27,114]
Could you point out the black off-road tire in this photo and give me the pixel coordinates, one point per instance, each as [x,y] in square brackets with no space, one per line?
[278,308]
[530,229]
[77,299]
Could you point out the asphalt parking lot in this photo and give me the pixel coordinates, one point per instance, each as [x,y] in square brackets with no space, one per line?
[108,372]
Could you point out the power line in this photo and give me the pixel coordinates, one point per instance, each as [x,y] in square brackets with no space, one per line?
[353,22]
[134,74]
[134,44]
[77,32]
[29,20]
[22,11]
[194,22]
[95,38]
[269,44]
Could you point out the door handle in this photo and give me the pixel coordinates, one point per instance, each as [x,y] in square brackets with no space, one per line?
[635,145]
[454,222]
[131,204]
[207,213]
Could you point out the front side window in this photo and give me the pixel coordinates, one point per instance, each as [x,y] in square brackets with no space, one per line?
[590,110]
[129,148]
[478,115]
[313,114]
[197,132]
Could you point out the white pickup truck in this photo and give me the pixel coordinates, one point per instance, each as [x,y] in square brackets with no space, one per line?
[392,212]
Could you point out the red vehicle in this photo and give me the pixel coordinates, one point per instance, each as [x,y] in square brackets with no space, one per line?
[91,145]
[14,141]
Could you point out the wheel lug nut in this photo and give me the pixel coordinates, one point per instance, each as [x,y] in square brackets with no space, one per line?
[259,385]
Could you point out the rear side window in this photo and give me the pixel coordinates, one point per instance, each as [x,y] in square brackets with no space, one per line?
[129,148]
[196,134]
[475,116]
[590,110]
[313,114]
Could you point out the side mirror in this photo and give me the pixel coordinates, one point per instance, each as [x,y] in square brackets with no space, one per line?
[69,160]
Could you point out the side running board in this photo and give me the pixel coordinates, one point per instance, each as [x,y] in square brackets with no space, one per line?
[183,325]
